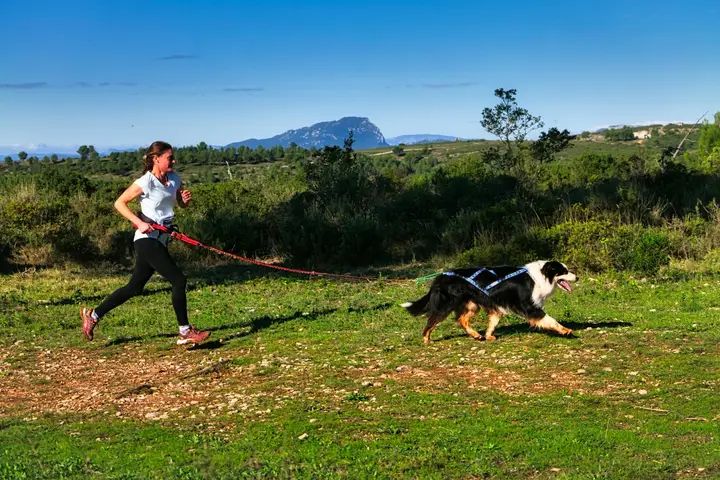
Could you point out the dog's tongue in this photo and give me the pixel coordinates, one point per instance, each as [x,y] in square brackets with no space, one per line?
[565,285]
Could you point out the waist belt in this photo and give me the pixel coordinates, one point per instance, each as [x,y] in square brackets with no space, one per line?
[162,237]
[165,223]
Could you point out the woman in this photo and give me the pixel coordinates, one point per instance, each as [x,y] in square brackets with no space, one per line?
[159,189]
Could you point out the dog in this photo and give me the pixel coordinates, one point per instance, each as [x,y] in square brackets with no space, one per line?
[497,290]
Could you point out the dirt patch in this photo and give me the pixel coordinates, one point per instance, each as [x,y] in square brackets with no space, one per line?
[129,384]
[132,382]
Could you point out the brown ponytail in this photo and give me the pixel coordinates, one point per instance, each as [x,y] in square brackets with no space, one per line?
[155,149]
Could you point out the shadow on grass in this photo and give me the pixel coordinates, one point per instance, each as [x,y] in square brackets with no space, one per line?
[522,328]
[257,324]
[197,279]
[137,338]
[81,300]
[575,326]
[249,328]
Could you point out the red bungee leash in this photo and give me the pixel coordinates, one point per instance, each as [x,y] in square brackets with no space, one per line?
[196,243]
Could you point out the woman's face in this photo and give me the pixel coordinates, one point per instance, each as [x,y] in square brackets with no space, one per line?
[165,161]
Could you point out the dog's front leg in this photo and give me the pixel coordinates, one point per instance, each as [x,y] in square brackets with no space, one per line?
[464,317]
[549,323]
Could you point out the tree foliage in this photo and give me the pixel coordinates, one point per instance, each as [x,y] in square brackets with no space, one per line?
[709,137]
[508,121]
[622,134]
[336,207]
[549,143]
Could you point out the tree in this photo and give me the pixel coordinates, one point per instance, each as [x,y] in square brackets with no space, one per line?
[507,120]
[623,134]
[8,161]
[83,151]
[549,143]
[22,156]
[333,171]
[709,136]
[93,155]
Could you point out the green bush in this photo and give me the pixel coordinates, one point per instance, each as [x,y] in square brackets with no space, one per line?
[619,134]
[581,244]
[490,254]
[642,251]
[712,260]
[492,249]
[39,228]
[334,207]
[592,245]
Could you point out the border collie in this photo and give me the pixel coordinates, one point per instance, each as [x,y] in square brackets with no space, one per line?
[498,291]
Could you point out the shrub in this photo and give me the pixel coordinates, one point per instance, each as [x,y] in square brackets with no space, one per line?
[462,229]
[642,251]
[581,244]
[490,254]
[337,220]
[104,234]
[712,260]
[591,245]
[38,228]
[619,134]
[492,249]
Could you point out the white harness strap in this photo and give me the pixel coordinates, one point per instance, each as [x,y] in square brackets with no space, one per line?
[487,288]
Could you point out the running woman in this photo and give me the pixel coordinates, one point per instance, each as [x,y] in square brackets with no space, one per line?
[159,190]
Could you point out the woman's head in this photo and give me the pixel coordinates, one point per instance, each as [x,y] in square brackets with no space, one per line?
[155,150]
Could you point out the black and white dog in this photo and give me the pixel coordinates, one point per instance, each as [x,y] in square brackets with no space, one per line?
[498,291]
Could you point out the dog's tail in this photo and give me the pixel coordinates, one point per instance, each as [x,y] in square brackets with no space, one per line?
[418,306]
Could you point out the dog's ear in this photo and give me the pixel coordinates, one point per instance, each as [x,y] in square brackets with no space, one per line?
[553,268]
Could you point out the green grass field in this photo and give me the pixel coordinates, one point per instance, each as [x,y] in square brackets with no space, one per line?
[315,379]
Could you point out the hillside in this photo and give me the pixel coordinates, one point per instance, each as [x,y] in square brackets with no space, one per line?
[420,138]
[365,135]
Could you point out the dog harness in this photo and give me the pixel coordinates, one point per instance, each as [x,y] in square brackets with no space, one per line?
[486,289]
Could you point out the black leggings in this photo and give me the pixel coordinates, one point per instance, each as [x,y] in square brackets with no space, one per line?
[150,256]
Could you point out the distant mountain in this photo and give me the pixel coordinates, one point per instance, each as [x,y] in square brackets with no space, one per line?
[365,135]
[64,151]
[420,138]
[38,150]
[119,150]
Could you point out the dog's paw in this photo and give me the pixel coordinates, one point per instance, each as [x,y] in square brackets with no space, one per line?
[490,338]
[479,338]
[566,333]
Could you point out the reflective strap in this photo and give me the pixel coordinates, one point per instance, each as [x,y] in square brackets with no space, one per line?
[486,290]
[470,280]
[474,275]
[506,277]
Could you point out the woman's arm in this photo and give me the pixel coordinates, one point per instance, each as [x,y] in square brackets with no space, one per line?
[121,205]
[183,196]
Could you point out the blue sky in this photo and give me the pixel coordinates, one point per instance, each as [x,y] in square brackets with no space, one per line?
[125,73]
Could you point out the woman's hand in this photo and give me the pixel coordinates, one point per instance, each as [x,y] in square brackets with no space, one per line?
[185,197]
[144,227]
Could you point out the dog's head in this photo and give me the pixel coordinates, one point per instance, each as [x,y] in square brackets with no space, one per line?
[558,274]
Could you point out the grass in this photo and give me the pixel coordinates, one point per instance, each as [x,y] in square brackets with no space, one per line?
[318,379]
